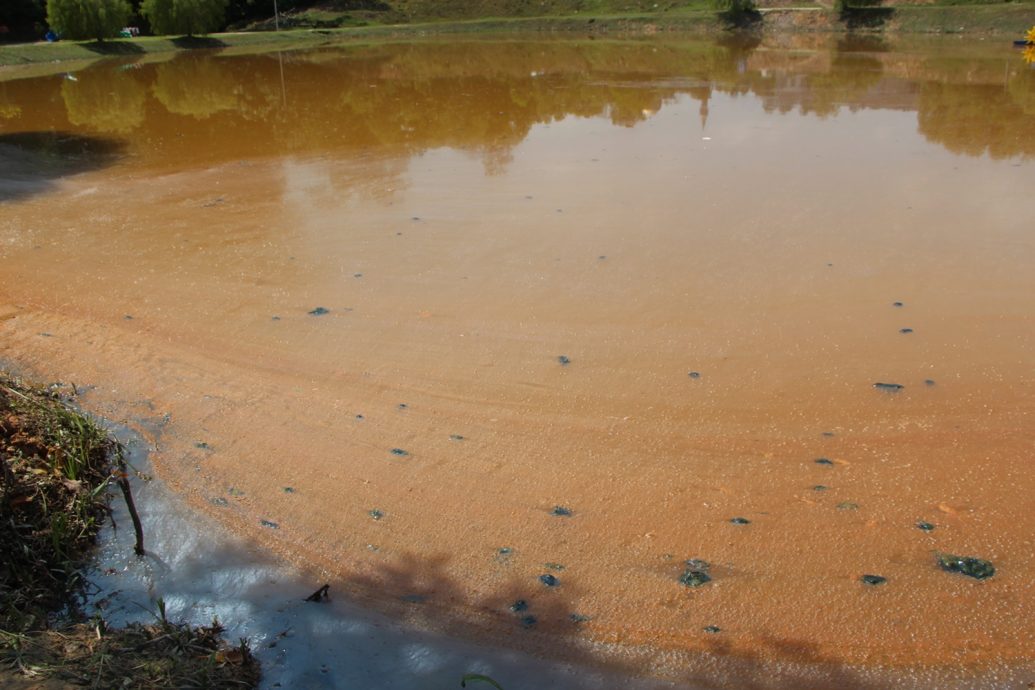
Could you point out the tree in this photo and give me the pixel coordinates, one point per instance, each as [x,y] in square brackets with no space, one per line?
[197,87]
[109,102]
[81,19]
[21,18]
[184,17]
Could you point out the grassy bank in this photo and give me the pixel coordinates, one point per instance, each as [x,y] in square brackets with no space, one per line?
[57,467]
[313,27]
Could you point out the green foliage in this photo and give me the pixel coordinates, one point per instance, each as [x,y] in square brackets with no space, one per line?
[184,17]
[107,103]
[84,19]
[22,17]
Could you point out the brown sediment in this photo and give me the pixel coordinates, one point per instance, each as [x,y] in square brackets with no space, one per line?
[466,215]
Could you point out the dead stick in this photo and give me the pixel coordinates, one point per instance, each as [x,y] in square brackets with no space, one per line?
[138,548]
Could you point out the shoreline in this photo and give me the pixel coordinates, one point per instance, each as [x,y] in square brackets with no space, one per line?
[966,20]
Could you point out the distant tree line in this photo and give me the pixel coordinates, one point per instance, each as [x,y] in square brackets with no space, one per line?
[27,20]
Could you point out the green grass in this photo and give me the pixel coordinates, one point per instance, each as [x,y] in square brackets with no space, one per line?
[1012,19]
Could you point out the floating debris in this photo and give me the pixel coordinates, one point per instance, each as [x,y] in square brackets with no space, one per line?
[128,317]
[828,434]
[202,445]
[824,461]
[928,382]
[519,606]
[897,304]
[694,374]
[819,487]
[398,451]
[456,437]
[403,406]
[319,311]
[504,551]
[579,618]
[740,521]
[376,514]
[712,629]
[847,505]
[413,598]
[925,526]
[219,501]
[561,511]
[977,568]
[359,416]
[528,621]
[564,360]
[554,566]
[905,330]
[322,594]
[357,275]
[275,318]
[289,489]
[234,491]
[696,573]
[888,387]
[549,580]
[269,523]
[873,580]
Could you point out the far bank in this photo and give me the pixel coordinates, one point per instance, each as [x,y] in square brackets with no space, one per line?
[1009,20]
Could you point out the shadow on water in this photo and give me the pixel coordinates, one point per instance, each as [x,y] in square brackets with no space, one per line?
[433,629]
[30,162]
[113,48]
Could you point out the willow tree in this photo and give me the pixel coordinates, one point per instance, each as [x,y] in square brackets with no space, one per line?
[82,19]
[184,17]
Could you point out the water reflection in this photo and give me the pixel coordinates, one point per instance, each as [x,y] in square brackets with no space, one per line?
[103,101]
[485,97]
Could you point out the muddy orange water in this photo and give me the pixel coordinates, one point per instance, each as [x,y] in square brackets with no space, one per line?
[647,282]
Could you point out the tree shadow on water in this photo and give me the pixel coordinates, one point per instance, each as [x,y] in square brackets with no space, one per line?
[30,162]
[775,663]
[550,641]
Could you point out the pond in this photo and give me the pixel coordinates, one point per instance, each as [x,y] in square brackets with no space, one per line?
[702,360]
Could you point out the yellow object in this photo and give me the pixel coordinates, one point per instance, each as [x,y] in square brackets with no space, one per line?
[1031,36]
[1029,54]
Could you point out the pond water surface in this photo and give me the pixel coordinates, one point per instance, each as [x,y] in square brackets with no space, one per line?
[496,336]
